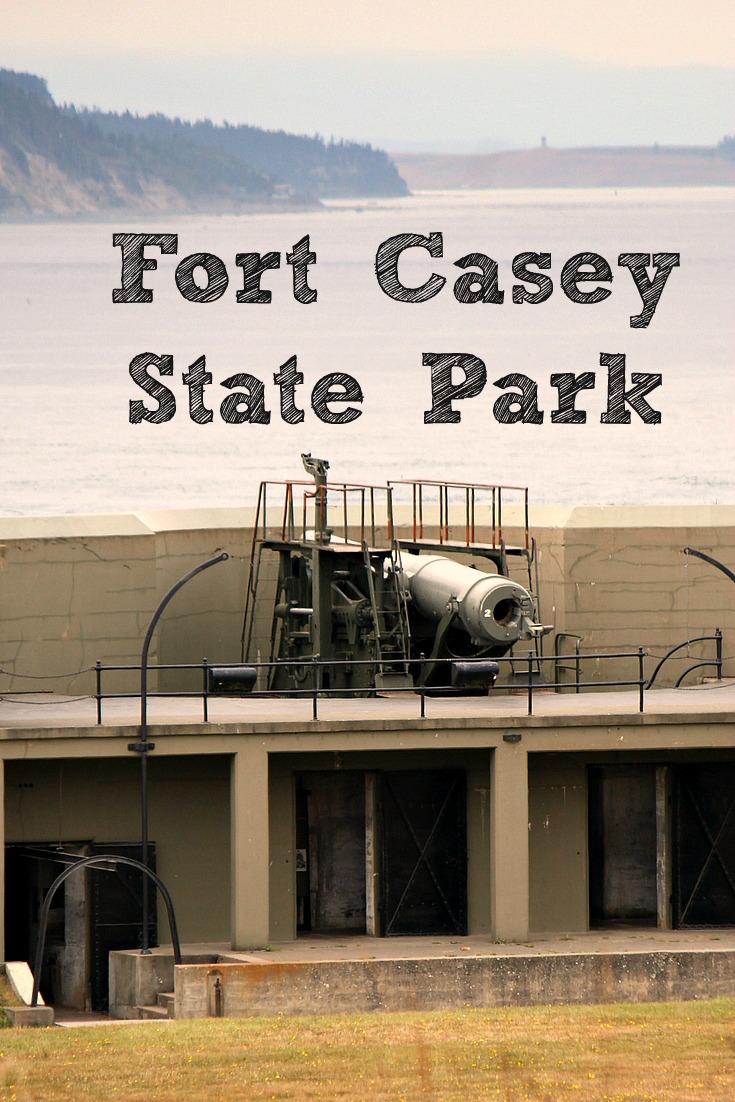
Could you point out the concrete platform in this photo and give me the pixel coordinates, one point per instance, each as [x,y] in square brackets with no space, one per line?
[321,975]
[69,1018]
[617,939]
[51,712]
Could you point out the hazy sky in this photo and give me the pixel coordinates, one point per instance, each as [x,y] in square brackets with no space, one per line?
[421,72]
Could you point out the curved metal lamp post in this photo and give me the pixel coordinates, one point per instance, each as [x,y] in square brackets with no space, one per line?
[107,862]
[144,746]
[713,562]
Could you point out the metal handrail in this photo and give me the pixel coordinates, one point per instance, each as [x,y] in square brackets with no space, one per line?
[349,499]
[716,662]
[317,665]
[470,499]
[559,665]
[105,862]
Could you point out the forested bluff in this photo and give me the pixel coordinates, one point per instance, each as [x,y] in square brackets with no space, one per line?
[61,161]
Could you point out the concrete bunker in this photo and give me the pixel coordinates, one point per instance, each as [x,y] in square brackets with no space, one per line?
[224,793]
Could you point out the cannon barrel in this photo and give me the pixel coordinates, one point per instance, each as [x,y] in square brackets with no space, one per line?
[493,609]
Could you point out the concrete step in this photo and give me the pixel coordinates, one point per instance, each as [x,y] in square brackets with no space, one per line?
[165,999]
[148,1012]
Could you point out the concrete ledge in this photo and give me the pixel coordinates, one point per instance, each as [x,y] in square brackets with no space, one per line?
[29,1015]
[255,989]
[137,980]
[20,978]
[20,981]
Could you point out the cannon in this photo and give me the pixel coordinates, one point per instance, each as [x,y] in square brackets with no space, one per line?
[486,613]
[368,602]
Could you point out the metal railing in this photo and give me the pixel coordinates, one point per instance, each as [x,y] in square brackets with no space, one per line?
[298,511]
[716,662]
[106,862]
[564,662]
[313,669]
[457,511]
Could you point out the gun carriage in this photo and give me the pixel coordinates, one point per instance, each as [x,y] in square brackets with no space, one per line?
[336,576]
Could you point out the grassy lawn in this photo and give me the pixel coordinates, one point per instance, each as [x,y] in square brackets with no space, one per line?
[7,995]
[675,1051]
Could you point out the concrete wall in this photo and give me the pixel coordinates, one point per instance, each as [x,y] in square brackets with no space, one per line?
[76,589]
[557,795]
[72,589]
[250,990]
[618,577]
[205,619]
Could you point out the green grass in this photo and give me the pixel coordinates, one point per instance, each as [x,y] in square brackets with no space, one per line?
[675,1052]
[8,997]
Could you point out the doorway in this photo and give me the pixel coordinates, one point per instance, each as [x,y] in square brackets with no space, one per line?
[381,852]
[704,845]
[622,845]
[93,912]
[424,852]
[330,852]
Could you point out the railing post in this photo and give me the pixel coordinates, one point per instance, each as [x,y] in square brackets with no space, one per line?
[316,682]
[530,684]
[718,653]
[641,681]
[205,690]
[98,690]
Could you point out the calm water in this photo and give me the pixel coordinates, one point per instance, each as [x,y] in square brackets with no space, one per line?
[68,445]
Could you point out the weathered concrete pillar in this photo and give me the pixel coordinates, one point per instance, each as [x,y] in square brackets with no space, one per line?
[282,857]
[664,875]
[250,849]
[372,913]
[510,842]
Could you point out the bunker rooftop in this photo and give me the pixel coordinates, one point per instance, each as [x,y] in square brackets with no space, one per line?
[412,766]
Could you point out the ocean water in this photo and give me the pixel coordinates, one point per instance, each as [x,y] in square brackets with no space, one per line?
[68,445]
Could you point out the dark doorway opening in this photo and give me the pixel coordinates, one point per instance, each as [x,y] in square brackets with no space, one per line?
[29,873]
[622,845]
[704,845]
[383,852]
[423,853]
[93,912]
[116,905]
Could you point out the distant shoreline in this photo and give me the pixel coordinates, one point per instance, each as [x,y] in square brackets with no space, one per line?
[117,215]
[544,167]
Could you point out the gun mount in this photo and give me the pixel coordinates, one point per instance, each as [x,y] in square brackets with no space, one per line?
[363,595]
